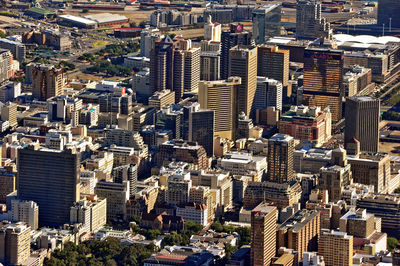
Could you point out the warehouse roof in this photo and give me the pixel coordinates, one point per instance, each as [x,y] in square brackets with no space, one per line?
[78,19]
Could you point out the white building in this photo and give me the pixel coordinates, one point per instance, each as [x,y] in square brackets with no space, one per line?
[212,31]
[193,212]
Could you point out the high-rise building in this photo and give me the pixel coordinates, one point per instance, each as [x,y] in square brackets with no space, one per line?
[51,179]
[17,49]
[15,243]
[212,30]
[309,22]
[323,75]
[148,38]
[25,211]
[273,63]
[388,14]
[362,122]
[6,61]
[192,66]
[169,119]
[280,158]
[117,194]
[9,113]
[235,36]
[201,128]
[126,173]
[178,188]
[210,63]
[161,98]
[336,248]
[220,96]
[47,81]
[91,212]
[268,94]
[243,63]
[263,234]
[266,22]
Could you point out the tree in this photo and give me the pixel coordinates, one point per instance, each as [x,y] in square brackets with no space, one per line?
[172,239]
[85,10]
[142,24]
[217,226]
[133,24]
[392,243]
[229,250]
[245,235]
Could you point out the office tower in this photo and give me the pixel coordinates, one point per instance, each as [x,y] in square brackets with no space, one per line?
[220,96]
[47,81]
[268,94]
[210,64]
[51,179]
[280,158]
[192,66]
[148,38]
[9,113]
[323,75]
[309,22]
[169,119]
[161,98]
[6,61]
[243,63]
[25,211]
[300,232]
[362,122]
[212,30]
[141,85]
[235,36]
[388,14]
[244,127]
[263,234]
[125,138]
[7,185]
[15,243]
[201,128]
[17,49]
[273,63]
[126,172]
[358,223]
[91,212]
[336,248]
[178,188]
[117,194]
[116,102]
[266,22]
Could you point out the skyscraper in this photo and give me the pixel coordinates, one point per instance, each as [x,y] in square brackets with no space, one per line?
[362,122]
[280,158]
[212,30]
[388,14]
[235,36]
[210,63]
[263,234]
[268,93]
[323,76]
[192,66]
[273,63]
[336,248]
[47,81]
[51,179]
[266,22]
[15,243]
[243,63]
[220,96]
[201,128]
[309,22]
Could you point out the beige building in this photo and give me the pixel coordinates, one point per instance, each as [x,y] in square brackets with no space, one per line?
[162,98]
[280,158]
[220,96]
[358,223]
[47,81]
[15,243]
[336,248]
[117,195]
[243,63]
[263,234]
[26,212]
[9,113]
[91,212]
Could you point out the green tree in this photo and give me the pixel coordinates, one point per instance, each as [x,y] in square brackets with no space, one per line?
[142,24]
[392,243]
[85,10]
[217,226]
[173,239]
[245,235]
[229,250]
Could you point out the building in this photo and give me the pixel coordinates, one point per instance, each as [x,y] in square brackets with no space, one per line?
[78,22]
[9,113]
[268,94]
[148,38]
[263,234]
[107,19]
[141,85]
[193,212]
[91,212]
[309,22]
[126,173]
[178,150]
[178,189]
[336,248]
[362,122]
[6,65]
[280,158]
[210,65]
[300,232]
[323,76]
[235,36]
[387,14]
[281,195]
[117,194]
[15,243]
[47,81]
[309,124]
[358,223]
[266,22]
[17,49]
[161,98]
[243,64]
[335,176]
[273,63]
[220,96]
[26,212]
[7,185]
[212,31]
[169,119]
[45,174]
